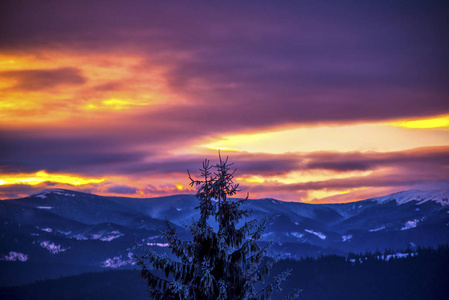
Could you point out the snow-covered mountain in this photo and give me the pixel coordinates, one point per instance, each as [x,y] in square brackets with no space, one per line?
[60,232]
[439,196]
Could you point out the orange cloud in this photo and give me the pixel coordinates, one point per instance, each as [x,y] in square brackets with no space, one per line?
[60,87]
[43,176]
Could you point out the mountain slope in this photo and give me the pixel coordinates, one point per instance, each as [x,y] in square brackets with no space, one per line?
[70,232]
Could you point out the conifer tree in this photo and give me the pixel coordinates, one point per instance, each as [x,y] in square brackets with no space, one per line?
[216,264]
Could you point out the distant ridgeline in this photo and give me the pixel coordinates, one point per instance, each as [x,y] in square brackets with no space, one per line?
[409,274]
[61,233]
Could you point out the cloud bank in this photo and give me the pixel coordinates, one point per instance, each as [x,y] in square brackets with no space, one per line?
[131,91]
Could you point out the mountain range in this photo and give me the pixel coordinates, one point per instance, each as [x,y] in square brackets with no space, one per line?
[59,233]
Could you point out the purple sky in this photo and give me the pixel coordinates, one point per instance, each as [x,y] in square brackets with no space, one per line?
[135,92]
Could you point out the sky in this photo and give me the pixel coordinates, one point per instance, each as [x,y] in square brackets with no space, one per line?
[313,101]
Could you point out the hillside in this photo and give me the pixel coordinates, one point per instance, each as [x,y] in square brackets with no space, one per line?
[60,232]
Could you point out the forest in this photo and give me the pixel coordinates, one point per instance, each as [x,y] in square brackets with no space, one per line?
[425,275]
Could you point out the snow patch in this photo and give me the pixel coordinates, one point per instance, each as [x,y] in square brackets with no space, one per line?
[109,238]
[117,261]
[106,237]
[45,229]
[64,194]
[44,207]
[318,234]
[384,257]
[54,249]
[410,224]
[158,244]
[14,256]
[96,236]
[112,236]
[346,238]
[297,234]
[397,255]
[44,193]
[80,237]
[377,229]
[64,232]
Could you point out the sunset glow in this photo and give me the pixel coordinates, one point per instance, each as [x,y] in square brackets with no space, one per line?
[315,103]
[42,176]
[337,138]
[438,122]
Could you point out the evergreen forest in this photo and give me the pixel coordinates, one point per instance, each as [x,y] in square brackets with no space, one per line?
[425,275]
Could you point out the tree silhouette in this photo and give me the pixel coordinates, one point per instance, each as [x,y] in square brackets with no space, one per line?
[221,264]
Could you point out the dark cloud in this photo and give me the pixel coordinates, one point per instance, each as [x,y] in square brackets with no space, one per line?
[255,164]
[345,184]
[402,169]
[341,166]
[116,151]
[356,161]
[26,151]
[18,190]
[424,168]
[35,80]
[121,189]
[429,163]
[435,158]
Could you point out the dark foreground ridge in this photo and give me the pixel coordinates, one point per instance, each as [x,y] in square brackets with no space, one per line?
[422,276]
